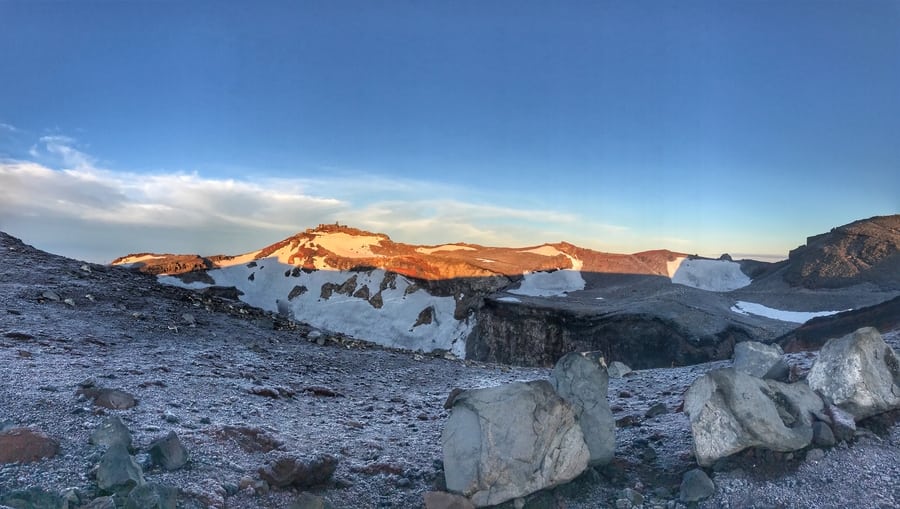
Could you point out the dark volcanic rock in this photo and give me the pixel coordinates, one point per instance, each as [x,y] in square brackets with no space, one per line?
[168,452]
[814,333]
[111,431]
[114,399]
[33,498]
[539,336]
[866,251]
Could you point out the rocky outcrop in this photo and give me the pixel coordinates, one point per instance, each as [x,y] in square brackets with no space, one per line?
[501,443]
[581,380]
[859,373]
[731,411]
[538,335]
[866,251]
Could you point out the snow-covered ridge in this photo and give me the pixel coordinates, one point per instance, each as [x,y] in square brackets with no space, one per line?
[552,284]
[373,305]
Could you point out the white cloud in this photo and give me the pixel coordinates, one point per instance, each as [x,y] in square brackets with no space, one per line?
[9,127]
[98,214]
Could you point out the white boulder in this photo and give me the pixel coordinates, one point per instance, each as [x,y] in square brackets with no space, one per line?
[581,380]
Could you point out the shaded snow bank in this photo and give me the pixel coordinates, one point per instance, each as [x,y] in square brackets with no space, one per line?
[752,308]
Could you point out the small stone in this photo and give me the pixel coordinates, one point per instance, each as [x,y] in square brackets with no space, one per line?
[51,295]
[101,503]
[696,486]
[70,302]
[114,399]
[618,369]
[310,501]
[293,470]
[168,452]
[815,455]
[656,410]
[189,319]
[403,482]
[152,496]
[633,497]
[111,431]
[170,417]
[822,434]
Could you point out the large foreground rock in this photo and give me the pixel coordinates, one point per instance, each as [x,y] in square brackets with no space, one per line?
[582,380]
[859,373]
[731,411]
[505,442]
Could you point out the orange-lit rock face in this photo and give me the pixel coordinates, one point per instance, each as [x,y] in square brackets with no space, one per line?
[343,248]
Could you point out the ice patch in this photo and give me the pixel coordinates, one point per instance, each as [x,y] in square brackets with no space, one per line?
[509,299]
[752,308]
[711,275]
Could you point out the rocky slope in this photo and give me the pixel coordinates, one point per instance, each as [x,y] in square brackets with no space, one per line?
[243,389]
[865,251]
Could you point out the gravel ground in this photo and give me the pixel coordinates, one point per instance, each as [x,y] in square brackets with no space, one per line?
[380,412]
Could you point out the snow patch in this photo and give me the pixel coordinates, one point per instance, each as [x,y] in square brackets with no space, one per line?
[349,246]
[509,299]
[445,247]
[672,266]
[130,260]
[752,308]
[544,251]
[486,260]
[711,275]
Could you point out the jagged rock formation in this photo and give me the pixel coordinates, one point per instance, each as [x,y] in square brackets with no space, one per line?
[866,251]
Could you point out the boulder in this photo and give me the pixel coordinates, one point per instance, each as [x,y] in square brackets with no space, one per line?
[731,411]
[23,445]
[168,452]
[118,472]
[760,360]
[32,498]
[581,380]
[502,443]
[859,373]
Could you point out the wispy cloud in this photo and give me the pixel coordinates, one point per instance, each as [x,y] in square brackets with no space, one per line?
[9,128]
[188,212]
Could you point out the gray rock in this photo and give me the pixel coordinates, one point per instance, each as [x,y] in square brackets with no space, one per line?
[696,486]
[292,470]
[51,295]
[168,452]
[617,369]
[656,410]
[581,380]
[843,425]
[152,496]
[815,455]
[822,434]
[760,360]
[502,443]
[33,498]
[731,411]
[859,373]
[111,431]
[118,472]
[101,503]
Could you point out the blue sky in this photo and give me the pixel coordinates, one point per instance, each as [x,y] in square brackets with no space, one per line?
[703,127]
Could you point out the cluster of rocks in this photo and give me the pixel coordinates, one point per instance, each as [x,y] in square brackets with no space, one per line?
[732,409]
[507,442]
[119,467]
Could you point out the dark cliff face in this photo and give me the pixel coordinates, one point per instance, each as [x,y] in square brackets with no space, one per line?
[866,251]
[538,336]
[815,333]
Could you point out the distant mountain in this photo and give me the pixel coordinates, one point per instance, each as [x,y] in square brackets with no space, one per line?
[529,305]
[865,251]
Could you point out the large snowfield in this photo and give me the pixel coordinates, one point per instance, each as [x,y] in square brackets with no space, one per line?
[710,275]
